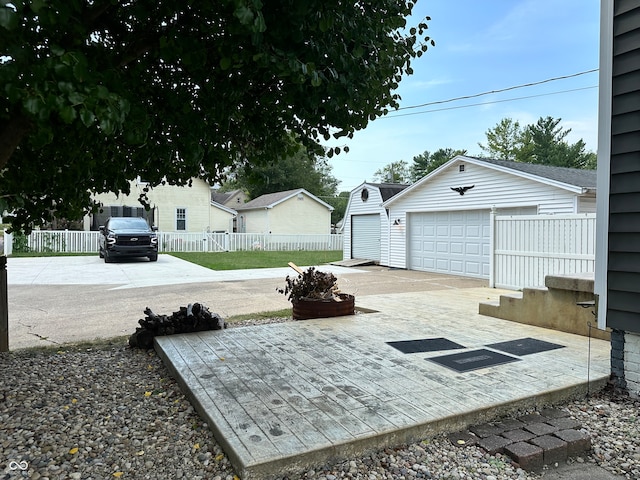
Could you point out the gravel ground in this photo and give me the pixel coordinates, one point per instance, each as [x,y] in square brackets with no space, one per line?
[108,411]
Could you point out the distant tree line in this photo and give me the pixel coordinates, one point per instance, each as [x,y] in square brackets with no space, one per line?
[543,142]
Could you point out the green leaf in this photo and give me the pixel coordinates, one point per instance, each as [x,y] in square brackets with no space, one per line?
[107,126]
[87,117]
[66,87]
[37,5]
[244,15]
[225,63]
[33,105]
[57,50]
[68,114]
[76,98]
[8,18]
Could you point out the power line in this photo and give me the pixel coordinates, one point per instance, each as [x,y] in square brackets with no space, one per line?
[489,103]
[531,84]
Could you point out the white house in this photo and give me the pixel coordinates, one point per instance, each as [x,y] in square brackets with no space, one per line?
[366,221]
[173,208]
[290,212]
[442,222]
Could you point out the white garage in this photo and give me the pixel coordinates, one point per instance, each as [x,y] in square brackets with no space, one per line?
[366,222]
[442,223]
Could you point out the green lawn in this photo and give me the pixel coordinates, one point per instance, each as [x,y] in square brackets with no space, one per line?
[258,259]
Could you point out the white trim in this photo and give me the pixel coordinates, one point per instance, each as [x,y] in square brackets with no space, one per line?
[604,159]
[175,216]
[224,208]
[491,166]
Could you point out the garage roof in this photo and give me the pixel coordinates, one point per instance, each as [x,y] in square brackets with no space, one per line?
[574,179]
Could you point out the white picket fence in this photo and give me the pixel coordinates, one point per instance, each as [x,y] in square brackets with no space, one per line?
[67,241]
[526,248]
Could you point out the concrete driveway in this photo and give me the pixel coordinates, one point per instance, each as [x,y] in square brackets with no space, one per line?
[56,300]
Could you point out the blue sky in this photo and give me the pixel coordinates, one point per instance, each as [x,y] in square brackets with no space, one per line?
[485,46]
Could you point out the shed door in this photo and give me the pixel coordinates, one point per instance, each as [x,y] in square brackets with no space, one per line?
[365,237]
[454,242]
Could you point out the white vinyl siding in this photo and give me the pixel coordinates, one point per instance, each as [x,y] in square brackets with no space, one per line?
[365,237]
[372,206]
[491,188]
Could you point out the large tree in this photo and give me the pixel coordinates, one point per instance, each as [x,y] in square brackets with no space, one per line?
[96,92]
[504,141]
[299,170]
[394,172]
[543,142]
[427,162]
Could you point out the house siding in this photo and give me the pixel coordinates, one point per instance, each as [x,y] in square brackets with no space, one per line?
[165,199]
[491,188]
[254,221]
[300,210]
[623,286]
[373,205]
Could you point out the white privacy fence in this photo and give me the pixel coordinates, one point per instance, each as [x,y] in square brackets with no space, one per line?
[526,248]
[68,241]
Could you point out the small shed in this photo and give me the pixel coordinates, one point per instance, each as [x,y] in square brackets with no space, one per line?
[289,212]
[442,222]
[366,222]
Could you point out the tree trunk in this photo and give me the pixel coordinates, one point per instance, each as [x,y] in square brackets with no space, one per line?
[11,134]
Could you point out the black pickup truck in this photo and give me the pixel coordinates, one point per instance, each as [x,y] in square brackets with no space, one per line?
[127,237]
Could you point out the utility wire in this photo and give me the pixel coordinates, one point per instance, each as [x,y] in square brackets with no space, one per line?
[487,103]
[531,84]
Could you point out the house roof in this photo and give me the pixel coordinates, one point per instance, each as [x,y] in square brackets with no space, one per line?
[570,176]
[270,200]
[573,179]
[388,190]
[224,208]
[223,197]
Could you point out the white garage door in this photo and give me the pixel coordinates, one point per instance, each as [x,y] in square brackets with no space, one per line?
[365,237]
[450,242]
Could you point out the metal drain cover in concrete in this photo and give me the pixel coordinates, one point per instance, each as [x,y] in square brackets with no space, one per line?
[425,345]
[472,360]
[524,346]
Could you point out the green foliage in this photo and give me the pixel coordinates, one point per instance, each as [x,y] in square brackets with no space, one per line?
[339,205]
[427,162]
[20,243]
[394,172]
[504,141]
[259,259]
[298,170]
[543,142]
[96,93]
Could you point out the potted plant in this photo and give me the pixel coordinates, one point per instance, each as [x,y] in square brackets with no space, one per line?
[314,294]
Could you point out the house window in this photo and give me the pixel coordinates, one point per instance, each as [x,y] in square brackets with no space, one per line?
[181,219]
[461,169]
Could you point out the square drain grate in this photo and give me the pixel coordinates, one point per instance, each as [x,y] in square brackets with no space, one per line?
[425,345]
[524,346]
[473,360]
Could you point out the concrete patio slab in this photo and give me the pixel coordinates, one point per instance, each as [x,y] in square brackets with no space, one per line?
[284,397]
